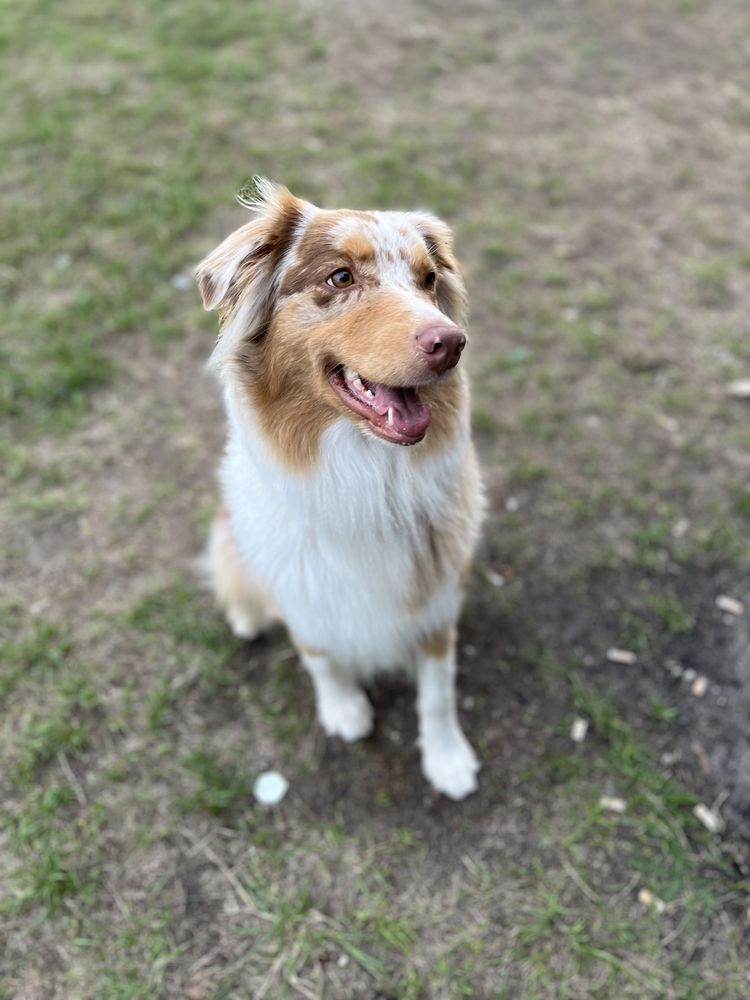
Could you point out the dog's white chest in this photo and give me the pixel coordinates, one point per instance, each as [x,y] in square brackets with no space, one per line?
[339,547]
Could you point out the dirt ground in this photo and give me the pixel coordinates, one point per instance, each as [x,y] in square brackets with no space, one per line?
[592,158]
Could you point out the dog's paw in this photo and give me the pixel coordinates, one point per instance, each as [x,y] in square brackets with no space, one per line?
[348,715]
[243,625]
[450,765]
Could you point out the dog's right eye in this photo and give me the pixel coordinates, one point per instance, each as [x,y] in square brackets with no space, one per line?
[341,279]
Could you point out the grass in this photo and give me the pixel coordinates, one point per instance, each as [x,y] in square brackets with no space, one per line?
[589,917]
[134,861]
[656,844]
[187,620]
[29,650]
[219,787]
[108,176]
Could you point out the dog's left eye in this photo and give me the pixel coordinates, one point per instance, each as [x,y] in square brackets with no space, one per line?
[429,280]
[341,279]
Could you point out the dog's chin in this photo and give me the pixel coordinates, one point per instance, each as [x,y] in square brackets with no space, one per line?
[393,413]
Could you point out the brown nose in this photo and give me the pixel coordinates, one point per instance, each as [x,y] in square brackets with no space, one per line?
[441,346]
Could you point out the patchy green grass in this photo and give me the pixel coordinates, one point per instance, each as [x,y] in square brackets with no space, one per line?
[219,786]
[108,176]
[187,619]
[29,649]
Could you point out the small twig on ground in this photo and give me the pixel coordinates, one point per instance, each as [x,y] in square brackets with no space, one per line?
[575,877]
[674,933]
[229,875]
[303,990]
[67,770]
[626,891]
[270,976]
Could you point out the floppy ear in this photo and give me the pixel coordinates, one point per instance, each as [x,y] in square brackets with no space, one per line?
[254,248]
[450,289]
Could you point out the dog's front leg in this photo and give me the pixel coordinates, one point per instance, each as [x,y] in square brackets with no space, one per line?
[343,708]
[448,762]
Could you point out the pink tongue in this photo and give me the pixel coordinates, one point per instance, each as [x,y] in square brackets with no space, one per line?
[410,417]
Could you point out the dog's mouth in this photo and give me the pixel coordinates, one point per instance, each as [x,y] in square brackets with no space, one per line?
[393,412]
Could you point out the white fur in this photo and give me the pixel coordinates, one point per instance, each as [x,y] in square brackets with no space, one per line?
[448,761]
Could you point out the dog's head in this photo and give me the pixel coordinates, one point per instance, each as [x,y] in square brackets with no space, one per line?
[330,313]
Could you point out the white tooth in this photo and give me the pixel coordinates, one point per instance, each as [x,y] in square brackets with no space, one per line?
[390,416]
[370,394]
[350,375]
[357,383]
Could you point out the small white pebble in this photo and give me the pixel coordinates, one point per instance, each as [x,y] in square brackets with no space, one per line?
[680,527]
[620,656]
[740,388]
[270,788]
[496,579]
[710,819]
[512,504]
[689,675]
[699,686]
[182,282]
[612,804]
[342,961]
[730,604]
[579,729]
[647,898]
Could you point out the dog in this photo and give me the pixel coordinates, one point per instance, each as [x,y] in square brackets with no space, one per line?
[352,497]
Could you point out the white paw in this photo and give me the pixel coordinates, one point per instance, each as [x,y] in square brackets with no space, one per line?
[242,625]
[346,714]
[449,764]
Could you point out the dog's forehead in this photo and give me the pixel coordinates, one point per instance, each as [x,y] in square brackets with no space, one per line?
[384,237]
[388,245]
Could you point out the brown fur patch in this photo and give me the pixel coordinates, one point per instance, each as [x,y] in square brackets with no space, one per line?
[419,261]
[318,253]
[356,246]
[292,418]
[237,591]
[276,240]
[439,644]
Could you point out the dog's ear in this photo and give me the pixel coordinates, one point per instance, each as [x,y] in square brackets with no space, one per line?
[450,288]
[253,250]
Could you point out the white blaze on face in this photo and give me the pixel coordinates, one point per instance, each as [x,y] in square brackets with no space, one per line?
[394,239]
